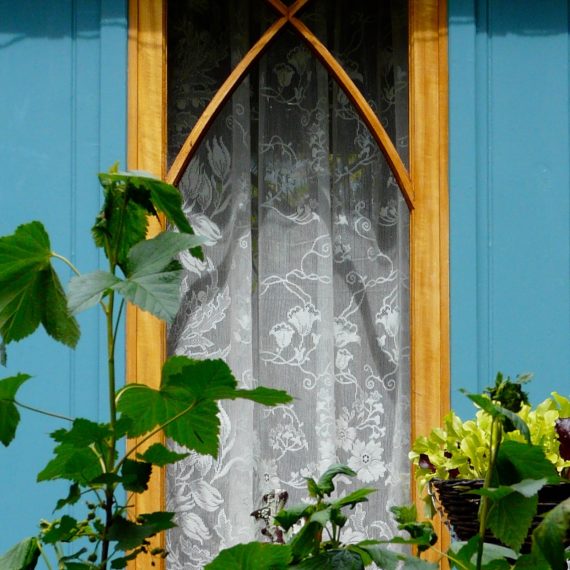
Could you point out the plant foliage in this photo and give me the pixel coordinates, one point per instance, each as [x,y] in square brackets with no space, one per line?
[90,455]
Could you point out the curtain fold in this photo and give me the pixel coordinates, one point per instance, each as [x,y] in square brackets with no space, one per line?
[304,285]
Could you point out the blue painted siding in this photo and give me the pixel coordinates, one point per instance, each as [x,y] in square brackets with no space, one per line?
[510,194]
[62,120]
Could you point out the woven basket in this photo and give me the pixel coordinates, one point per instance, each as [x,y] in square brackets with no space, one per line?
[459,511]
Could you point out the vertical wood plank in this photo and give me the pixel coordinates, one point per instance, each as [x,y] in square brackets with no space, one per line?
[430,219]
[145,336]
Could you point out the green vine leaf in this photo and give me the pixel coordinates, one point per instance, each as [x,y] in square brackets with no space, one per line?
[135,475]
[186,402]
[153,282]
[22,556]
[128,534]
[9,415]
[30,290]
[85,291]
[252,556]
[325,482]
[337,559]
[548,538]
[159,455]
[358,496]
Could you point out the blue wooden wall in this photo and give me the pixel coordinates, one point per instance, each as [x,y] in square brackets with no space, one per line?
[62,120]
[509,179]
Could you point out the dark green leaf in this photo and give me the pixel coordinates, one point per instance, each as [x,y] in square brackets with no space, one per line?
[548,538]
[313,488]
[323,517]
[22,556]
[510,518]
[263,395]
[325,482]
[30,290]
[63,530]
[333,559]
[466,552]
[9,415]
[252,556]
[532,561]
[306,541]
[56,317]
[358,496]
[83,433]
[135,475]
[80,566]
[186,400]
[121,224]
[286,518]
[72,497]
[3,355]
[389,560]
[87,290]
[151,193]
[158,454]
[517,461]
[123,561]
[128,534]
[72,463]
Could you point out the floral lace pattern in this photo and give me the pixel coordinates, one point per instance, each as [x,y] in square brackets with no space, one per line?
[304,287]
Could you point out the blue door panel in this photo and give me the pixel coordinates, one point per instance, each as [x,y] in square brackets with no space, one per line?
[63,119]
[510,190]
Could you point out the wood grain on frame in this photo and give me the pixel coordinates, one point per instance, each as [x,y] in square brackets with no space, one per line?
[145,334]
[425,186]
[429,231]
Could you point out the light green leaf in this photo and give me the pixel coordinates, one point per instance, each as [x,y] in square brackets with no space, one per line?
[30,290]
[549,537]
[9,415]
[306,541]
[153,281]
[153,255]
[158,454]
[467,551]
[87,290]
[22,556]
[389,560]
[157,293]
[252,556]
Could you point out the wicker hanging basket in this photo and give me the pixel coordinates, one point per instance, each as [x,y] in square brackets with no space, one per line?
[459,510]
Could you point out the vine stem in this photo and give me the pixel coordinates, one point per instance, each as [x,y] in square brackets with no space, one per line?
[44,412]
[67,262]
[494,443]
[44,556]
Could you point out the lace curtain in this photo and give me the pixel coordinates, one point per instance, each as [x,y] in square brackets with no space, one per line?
[304,285]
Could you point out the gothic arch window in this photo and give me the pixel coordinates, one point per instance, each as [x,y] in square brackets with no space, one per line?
[309,144]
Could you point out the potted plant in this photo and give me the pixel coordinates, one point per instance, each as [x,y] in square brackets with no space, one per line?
[497,475]
[91,456]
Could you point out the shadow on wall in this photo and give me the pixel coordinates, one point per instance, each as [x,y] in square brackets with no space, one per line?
[56,19]
[519,18]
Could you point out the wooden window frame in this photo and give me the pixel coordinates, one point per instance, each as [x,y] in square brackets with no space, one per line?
[425,187]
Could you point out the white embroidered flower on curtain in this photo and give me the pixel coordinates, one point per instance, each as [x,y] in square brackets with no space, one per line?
[304,282]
